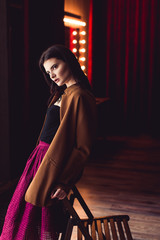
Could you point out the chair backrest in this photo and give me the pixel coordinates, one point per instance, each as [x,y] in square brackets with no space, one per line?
[108,227]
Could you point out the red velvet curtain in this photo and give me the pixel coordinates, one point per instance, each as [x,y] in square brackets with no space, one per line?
[126,61]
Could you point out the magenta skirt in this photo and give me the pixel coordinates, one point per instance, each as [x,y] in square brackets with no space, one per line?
[24,221]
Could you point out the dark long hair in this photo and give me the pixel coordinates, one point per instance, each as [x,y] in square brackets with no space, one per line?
[64,54]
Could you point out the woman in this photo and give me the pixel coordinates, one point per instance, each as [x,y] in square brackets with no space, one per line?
[64,145]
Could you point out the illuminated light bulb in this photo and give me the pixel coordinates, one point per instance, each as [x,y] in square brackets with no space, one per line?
[82,59]
[83,33]
[74,21]
[74,41]
[74,33]
[82,50]
[82,41]
[83,67]
[74,50]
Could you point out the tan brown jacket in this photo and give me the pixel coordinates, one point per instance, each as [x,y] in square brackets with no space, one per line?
[65,158]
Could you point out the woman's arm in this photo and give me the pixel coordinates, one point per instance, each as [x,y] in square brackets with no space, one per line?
[85,135]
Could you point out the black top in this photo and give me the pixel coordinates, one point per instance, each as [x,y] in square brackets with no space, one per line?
[51,124]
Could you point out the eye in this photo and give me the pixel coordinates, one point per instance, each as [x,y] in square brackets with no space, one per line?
[54,66]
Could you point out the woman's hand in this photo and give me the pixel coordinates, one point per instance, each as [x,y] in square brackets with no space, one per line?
[59,193]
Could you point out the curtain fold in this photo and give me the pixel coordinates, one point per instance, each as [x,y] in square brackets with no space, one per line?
[126,54]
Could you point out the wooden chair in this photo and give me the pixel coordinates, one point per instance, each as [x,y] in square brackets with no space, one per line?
[108,227]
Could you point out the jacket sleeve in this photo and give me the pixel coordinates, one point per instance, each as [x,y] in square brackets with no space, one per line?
[84,137]
[68,151]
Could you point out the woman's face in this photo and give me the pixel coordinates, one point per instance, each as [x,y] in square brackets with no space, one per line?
[59,72]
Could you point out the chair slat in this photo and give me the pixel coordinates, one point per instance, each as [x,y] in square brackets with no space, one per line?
[106,228]
[113,228]
[79,234]
[86,226]
[99,228]
[93,230]
[120,230]
[126,226]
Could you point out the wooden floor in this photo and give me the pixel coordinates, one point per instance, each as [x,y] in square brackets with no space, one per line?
[123,177]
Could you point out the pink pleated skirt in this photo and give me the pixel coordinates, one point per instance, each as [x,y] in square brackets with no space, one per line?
[24,221]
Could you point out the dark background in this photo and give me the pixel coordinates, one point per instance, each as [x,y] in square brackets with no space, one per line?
[125,60]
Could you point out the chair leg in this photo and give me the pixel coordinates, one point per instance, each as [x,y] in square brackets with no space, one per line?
[76,219]
[82,202]
[67,234]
